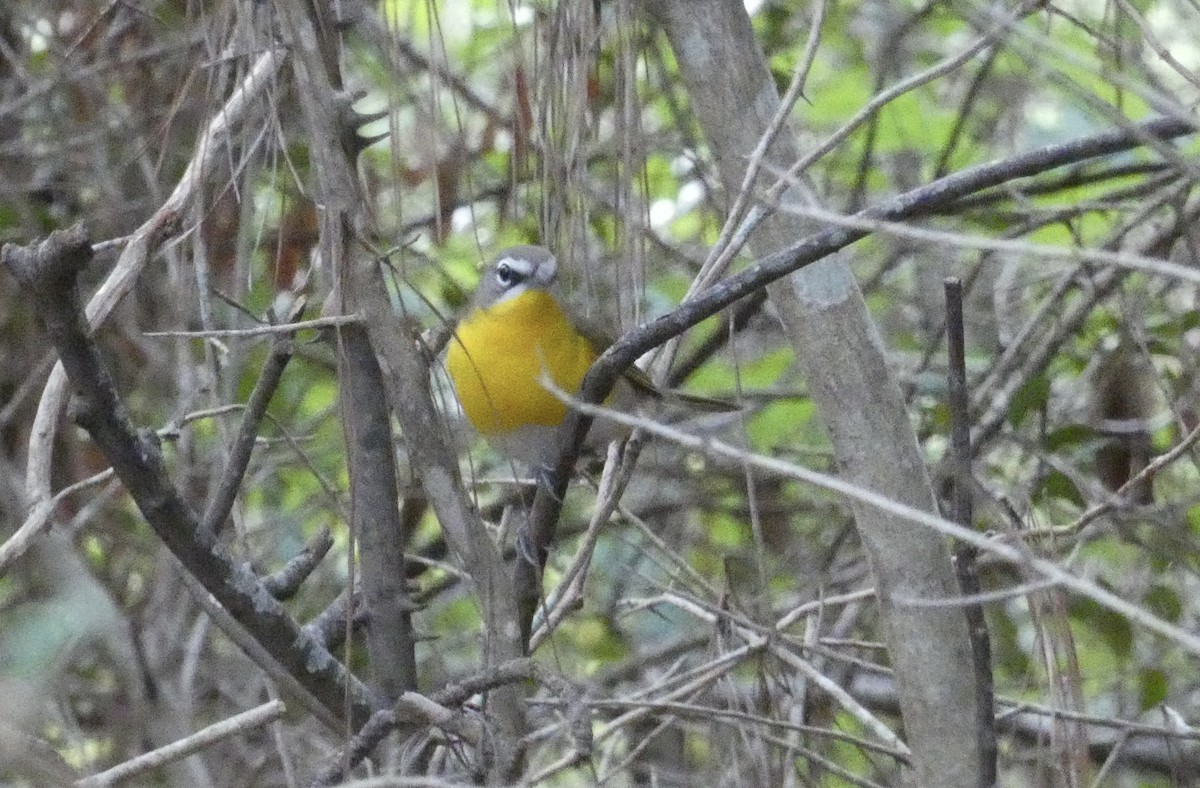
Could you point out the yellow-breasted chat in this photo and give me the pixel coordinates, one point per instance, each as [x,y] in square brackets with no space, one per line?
[517,333]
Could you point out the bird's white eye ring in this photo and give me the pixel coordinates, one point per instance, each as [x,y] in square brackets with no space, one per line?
[505,275]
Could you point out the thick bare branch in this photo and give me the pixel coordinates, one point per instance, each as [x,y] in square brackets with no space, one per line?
[406,379]
[381,539]
[48,274]
[145,242]
[358,287]
[330,130]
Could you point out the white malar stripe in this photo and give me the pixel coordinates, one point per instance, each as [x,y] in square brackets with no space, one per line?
[512,292]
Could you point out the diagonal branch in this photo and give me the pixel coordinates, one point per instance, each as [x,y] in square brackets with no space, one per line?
[406,380]
[331,129]
[142,245]
[922,201]
[47,273]
[401,372]
[221,504]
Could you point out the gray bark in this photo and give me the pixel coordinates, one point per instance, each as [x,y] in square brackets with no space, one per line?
[734,99]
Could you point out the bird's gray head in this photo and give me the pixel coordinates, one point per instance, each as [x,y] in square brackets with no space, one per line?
[513,272]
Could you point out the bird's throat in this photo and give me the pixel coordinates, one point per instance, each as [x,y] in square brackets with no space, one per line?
[500,356]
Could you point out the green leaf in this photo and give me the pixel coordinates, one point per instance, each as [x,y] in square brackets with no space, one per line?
[1113,628]
[1153,685]
[1164,602]
[1070,436]
[1009,656]
[1058,486]
[1031,396]
[780,424]
[595,637]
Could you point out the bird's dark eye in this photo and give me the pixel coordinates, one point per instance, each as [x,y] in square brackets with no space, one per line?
[505,275]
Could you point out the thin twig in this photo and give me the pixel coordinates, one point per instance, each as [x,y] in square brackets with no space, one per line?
[963,513]
[263,331]
[48,275]
[756,641]
[1119,497]
[1127,260]
[144,242]
[1009,553]
[921,201]
[286,581]
[232,475]
[206,737]
[880,100]
[725,248]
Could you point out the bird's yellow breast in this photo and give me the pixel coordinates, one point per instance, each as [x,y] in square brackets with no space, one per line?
[499,355]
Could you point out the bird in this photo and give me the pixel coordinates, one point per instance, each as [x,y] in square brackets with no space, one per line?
[518,332]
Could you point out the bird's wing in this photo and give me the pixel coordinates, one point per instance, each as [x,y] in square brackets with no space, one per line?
[600,339]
